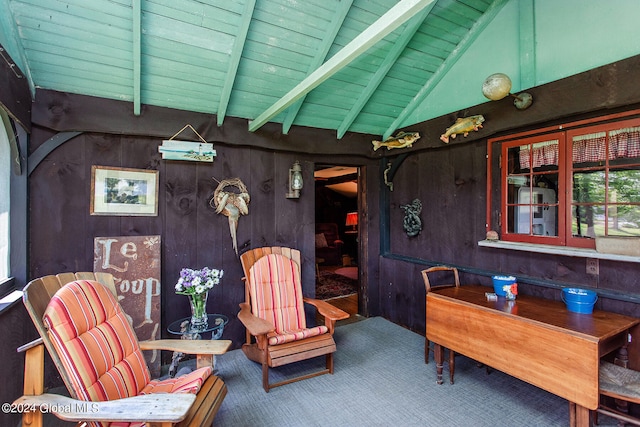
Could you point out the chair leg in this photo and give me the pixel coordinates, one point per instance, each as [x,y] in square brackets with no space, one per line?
[426,351]
[330,363]
[265,376]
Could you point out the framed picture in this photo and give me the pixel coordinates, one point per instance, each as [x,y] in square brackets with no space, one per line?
[124,192]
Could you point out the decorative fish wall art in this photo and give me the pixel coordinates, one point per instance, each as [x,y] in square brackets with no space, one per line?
[401,140]
[462,126]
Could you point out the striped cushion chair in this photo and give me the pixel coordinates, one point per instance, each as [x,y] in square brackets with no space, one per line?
[99,350]
[277,333]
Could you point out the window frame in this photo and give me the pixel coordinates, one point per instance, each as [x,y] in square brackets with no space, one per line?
[557,240]
[564,133]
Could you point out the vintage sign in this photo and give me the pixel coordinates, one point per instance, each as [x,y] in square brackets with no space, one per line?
[134,262]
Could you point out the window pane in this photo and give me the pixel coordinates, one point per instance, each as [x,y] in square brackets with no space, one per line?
[588,187]
[624,220]
[515,182]
[582,221]
[519,159]
[536,213]
[624,186]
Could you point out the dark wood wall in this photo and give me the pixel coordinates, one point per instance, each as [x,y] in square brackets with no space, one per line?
[62,230]
[451,184]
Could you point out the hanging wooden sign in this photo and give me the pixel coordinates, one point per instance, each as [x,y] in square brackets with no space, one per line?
[134,262]
[195,151]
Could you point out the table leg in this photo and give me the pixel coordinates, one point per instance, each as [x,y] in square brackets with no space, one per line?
[203,360]
[438,355]
[452,365]
[583,418]
[175,360]
[572,414]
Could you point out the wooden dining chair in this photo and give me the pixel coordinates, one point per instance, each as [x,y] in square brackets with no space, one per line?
[622,386]
[88,336]
[273,314]
[453,275]
[448,283]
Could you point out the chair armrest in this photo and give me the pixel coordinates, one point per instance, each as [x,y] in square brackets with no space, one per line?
[255,325]
[27,346]
[188,346]
[160,407]
[331,314]
[327,310]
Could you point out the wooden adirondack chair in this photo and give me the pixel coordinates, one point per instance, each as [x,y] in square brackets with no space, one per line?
[113,388]
[278,323]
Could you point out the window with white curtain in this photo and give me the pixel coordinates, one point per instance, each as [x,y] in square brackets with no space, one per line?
[5,175]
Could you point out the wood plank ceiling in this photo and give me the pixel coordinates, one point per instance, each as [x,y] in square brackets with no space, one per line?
[348,65]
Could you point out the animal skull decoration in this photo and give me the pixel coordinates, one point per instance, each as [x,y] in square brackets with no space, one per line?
[231,204]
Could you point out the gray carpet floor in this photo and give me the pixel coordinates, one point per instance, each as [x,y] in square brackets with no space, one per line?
[381,380]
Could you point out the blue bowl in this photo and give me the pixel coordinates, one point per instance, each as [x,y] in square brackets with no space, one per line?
[499,282]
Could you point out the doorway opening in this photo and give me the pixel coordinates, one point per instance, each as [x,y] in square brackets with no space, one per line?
[337,243]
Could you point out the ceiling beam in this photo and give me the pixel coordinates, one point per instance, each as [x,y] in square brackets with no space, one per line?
[388,22]
[137,55]
[448,63]
[234,60]
[527,28]
[321,55]
[381,72]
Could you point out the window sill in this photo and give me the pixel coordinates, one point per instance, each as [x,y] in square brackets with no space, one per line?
[10,300]
[556,250]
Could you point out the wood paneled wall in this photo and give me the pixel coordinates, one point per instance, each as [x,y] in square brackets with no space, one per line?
[450,181]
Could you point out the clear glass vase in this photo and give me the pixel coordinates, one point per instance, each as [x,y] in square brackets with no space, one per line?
[198,311]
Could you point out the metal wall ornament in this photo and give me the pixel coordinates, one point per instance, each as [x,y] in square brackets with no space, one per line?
[498,86]
[231,204]
[412,224]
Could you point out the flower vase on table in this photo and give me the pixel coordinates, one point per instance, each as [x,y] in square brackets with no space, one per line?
[196,285]
[198,304]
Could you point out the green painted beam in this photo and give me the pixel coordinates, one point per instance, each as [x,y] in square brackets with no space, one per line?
[527,29]
[234,60]
[321,55]
[381,72]
[448,63]
[137,55]
[388,22]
